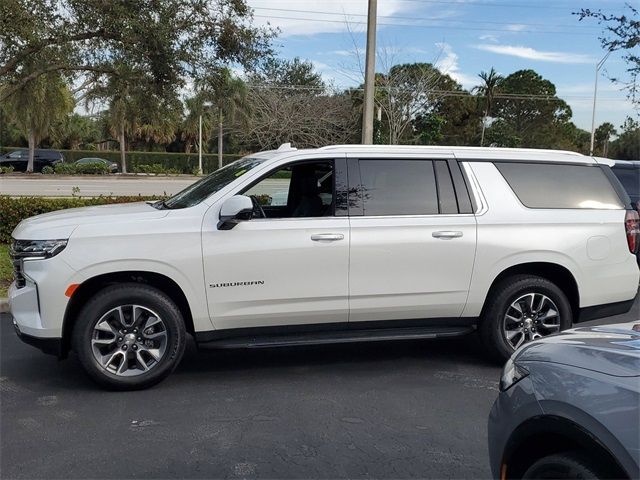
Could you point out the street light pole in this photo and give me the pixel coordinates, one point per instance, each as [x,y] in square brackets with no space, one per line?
[595,94]
[369,75]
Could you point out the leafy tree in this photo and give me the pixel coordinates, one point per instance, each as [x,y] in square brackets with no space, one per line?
[531,113]
[488,89]
[37,105]
[191,122]
[285,73]
[164,42]
[602,136]
[627,145]
[75,131]
[621,33]
[228,95]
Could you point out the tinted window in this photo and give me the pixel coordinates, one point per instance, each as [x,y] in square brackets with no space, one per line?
[398,187]
[299,190]
[539,185]
[630,179]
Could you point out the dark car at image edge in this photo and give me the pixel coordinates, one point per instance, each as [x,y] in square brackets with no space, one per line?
[18,159]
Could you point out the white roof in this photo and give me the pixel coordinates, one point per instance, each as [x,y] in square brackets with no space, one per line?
[490,153]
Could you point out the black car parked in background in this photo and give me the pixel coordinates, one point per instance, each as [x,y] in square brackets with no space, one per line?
[18,159]
[628,172]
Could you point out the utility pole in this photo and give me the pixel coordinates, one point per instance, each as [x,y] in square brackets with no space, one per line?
[369,75]
[200,144]
[595,94]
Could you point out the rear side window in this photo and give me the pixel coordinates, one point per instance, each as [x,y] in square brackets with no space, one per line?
[630,179]
[541,185]
[398,187]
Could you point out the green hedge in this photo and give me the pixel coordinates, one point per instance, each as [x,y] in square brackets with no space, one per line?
[180,162]
[14,210]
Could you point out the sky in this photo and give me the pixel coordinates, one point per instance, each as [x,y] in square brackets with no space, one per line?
[462,38]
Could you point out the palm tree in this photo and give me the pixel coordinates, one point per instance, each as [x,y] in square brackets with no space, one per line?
[195,109]
[37,106]
[228,95]
[488,89]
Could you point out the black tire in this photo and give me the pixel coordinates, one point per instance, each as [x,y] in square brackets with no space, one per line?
[568,465]
[502,295]
[129,294]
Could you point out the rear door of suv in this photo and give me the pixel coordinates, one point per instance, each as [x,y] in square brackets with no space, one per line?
[413,237]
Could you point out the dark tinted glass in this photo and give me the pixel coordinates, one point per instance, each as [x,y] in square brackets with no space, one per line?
[398,187]
[446,192]
[542,185]
[630,179]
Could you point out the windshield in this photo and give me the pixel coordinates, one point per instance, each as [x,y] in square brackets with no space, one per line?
[196,193]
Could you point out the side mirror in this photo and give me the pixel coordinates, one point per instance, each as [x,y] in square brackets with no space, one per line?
[234,210]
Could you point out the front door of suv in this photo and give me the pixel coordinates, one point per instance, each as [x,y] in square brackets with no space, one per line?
[291,267]
[413,238]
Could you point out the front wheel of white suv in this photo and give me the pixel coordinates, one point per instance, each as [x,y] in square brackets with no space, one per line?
[520,309]
[129,336]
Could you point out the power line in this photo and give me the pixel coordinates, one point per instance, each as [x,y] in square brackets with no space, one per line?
[435,27]
[444,93]
[438,20]
[492,4]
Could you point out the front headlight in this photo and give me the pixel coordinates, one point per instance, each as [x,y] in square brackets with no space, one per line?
[34,249]
[512,374]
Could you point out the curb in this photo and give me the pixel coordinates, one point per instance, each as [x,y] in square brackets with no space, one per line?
[4,305]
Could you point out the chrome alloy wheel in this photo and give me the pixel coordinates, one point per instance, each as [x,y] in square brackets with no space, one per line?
[530,316]
[129,340]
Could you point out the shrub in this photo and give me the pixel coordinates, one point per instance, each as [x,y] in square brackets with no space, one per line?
[8,169]
[65,169]
[14,210]
[157,169]
[47,170]
[96,168]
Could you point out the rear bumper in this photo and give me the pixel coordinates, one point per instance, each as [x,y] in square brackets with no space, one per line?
[607,310]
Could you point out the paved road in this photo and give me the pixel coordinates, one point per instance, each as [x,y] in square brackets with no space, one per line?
[58,186]
[393,410]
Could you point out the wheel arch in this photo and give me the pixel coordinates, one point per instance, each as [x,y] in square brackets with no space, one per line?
[545,435]
[88,287]
[556,273]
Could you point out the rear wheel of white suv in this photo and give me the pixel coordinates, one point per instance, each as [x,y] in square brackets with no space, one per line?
[129,336]
[520,309]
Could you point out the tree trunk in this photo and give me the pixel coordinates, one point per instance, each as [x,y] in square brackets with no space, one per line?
[123,157]
[219,139]
[32,150]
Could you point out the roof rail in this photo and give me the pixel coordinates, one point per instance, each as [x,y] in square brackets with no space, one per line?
[442,147]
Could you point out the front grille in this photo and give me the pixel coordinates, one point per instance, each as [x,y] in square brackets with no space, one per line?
[18,276]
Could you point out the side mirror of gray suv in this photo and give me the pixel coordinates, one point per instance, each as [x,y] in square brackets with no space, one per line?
[234,210]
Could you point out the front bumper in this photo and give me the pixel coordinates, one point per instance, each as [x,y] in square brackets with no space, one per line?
[49,345]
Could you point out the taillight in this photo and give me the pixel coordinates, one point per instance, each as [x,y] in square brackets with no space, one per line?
[632,227]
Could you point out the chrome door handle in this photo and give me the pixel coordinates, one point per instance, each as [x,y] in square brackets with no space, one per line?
[327,237]
[447,235]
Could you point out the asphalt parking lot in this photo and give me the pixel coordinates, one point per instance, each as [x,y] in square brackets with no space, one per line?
[392,410]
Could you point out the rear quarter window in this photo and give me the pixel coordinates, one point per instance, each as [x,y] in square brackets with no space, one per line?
[548,185]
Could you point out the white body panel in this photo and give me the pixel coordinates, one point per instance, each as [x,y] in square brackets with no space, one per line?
[384,268]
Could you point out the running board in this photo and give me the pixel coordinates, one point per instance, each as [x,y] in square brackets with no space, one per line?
[335,337]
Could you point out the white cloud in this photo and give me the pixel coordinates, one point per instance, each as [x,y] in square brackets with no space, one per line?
[489,38]
[532,54]
[344,14]
[448,63]
[516,27]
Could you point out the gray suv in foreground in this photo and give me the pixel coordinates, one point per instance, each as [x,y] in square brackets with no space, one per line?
[569,407]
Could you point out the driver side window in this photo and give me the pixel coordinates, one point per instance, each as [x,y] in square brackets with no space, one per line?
[298,190]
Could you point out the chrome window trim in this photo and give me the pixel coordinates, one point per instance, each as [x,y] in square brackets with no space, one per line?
[475,189]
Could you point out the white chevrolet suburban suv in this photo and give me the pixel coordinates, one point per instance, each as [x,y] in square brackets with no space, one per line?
[335,244]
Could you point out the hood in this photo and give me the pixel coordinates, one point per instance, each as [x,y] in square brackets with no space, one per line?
[609,349]
[61,223]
